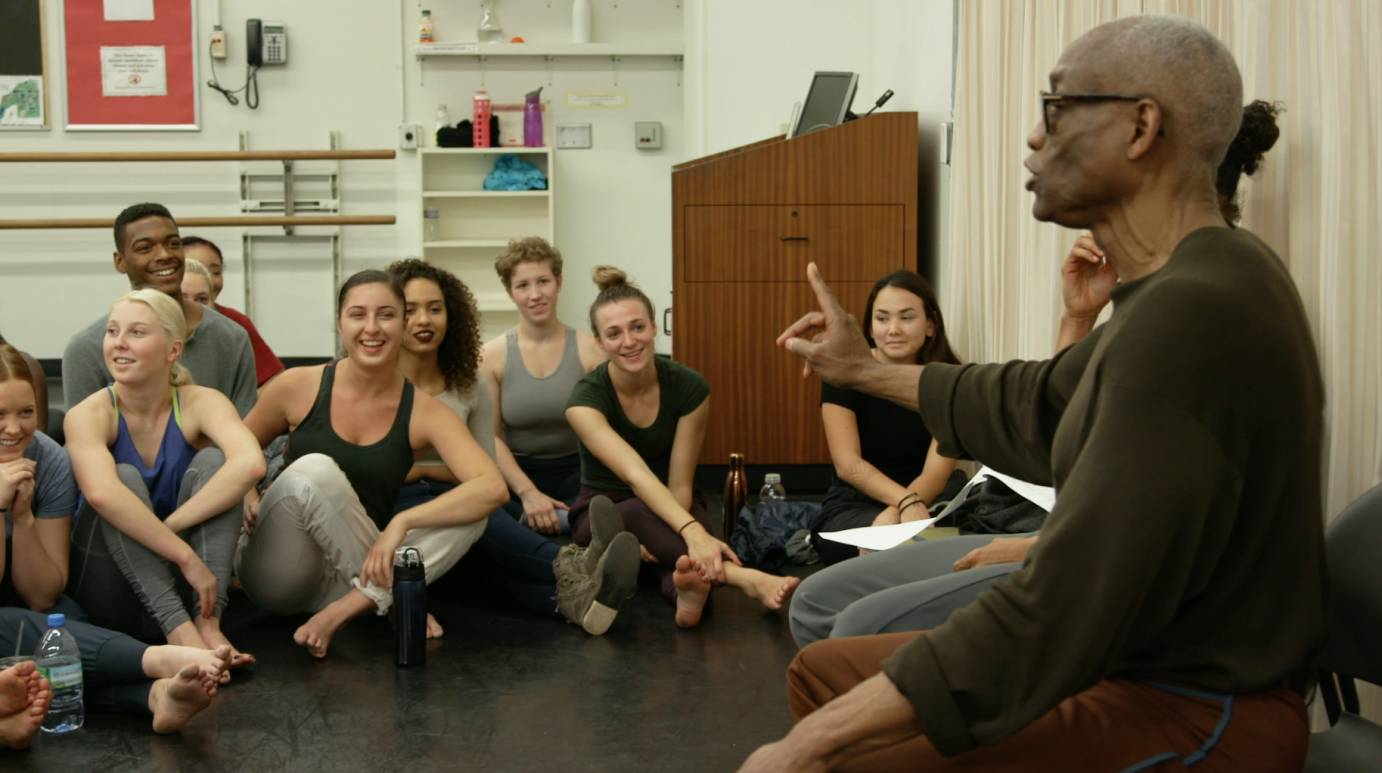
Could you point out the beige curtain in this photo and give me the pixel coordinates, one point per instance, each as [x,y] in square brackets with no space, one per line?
[1317,200]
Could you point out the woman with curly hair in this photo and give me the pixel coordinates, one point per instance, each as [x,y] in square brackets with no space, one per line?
[440,356]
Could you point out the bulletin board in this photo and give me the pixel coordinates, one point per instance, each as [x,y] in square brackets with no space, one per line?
[131,65]
[23,66]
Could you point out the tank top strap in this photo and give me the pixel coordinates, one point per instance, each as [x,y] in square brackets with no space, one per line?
[177,409]
[571,351]
[114,403]
[513,359]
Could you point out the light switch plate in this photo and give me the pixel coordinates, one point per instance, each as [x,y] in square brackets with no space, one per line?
[573,135]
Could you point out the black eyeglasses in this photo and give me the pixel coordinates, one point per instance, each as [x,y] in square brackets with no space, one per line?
[1049,100]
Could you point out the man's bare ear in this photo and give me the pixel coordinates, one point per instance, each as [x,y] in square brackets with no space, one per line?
[1147,129]
[119,261]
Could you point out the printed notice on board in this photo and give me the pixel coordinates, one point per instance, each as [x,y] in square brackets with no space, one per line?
[597,99]
[134,71]
[129,10]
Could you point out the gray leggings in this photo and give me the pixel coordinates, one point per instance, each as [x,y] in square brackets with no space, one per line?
[912,587]
[127,587]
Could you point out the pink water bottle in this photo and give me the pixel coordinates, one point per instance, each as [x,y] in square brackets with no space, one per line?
[480,119]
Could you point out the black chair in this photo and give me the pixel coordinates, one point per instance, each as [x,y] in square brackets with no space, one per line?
[1354,650]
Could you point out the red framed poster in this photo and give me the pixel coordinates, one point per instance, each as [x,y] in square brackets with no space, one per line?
[131,65]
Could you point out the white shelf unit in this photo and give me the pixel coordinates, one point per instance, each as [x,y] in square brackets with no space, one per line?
[475,225]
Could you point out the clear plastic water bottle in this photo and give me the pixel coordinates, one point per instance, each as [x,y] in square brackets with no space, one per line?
[60,662]
[431,225]
[772,490]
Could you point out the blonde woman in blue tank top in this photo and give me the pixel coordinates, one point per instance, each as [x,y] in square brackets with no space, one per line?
[531,371]
[162,466]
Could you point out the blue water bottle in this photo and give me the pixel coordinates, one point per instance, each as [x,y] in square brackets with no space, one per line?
[410,606]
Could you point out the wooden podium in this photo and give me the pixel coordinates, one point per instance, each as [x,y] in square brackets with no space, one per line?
[745,223]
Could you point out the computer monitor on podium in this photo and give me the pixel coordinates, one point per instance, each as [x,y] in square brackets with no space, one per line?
[827,102]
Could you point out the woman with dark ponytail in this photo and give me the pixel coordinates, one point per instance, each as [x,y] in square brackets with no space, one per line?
[641,419]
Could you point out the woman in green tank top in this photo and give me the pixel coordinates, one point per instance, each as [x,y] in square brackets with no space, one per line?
[641,420]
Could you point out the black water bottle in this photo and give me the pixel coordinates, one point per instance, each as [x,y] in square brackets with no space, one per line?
[410,606]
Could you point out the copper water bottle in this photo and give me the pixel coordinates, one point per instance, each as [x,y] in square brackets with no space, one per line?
[736,494]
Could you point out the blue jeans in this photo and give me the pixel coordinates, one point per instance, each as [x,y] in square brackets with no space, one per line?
[524,559]
[522,556]
[559,478]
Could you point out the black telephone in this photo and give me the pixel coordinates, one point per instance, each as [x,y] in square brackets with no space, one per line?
[266,42]
[254,42]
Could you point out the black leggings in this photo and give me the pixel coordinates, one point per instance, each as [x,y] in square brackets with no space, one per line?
[112,663]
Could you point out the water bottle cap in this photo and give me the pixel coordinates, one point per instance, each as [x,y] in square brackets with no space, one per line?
[57,620]
[772,477]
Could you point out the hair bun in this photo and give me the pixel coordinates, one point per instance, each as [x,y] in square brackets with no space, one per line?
[608,276]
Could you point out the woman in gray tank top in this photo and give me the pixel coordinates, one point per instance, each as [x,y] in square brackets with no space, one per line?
[531,370]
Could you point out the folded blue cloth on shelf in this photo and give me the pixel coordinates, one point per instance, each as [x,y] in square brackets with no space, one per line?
[512,173]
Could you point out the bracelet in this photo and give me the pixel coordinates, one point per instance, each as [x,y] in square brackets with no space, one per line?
[684,525]
[910,499]
[917,501]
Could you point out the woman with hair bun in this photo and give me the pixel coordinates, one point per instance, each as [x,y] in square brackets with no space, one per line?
[162,466]
[641,419]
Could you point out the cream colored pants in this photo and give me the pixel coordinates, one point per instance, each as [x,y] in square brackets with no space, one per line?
[312,537]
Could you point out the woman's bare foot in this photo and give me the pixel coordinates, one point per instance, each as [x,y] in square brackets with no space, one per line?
[211,634]
[770,590]
[167,660]
[176,699]
[692,593]
[434,629]
[17,729]
[16,687]
[315,634]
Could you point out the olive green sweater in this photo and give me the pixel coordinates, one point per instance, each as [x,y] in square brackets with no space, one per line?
[1186,545]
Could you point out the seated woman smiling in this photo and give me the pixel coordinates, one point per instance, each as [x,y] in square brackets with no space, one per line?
[641,419]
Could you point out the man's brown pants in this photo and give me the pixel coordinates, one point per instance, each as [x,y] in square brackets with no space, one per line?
[1116,725]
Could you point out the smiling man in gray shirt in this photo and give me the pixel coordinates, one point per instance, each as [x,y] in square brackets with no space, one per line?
[148,250]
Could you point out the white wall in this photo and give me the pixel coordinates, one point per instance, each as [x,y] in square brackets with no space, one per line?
[748,62]
[352,72]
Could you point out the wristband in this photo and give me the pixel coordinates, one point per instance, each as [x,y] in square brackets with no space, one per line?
[684,525]
[907,501]
[917,501]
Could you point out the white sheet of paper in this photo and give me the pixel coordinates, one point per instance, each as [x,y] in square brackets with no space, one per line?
[134,71]
[879,537]
[129,10]
[1041,496]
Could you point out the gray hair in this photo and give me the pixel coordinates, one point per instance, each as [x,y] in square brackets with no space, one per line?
[1185,68]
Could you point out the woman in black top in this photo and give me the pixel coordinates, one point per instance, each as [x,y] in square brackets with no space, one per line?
[880,477]
[323,540]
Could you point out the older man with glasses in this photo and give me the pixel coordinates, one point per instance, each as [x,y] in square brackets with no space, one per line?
[1169,613]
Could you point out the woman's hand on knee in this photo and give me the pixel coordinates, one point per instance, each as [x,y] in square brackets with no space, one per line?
[378,568]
